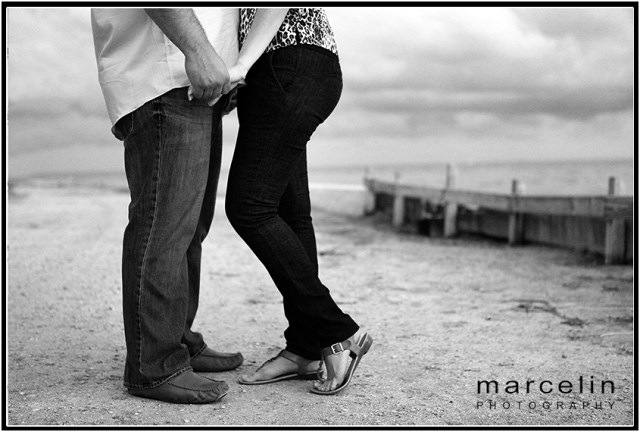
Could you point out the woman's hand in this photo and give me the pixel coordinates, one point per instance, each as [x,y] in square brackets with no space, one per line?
[237,74]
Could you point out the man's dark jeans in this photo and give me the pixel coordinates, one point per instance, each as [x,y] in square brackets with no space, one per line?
[172,160]
[289,92]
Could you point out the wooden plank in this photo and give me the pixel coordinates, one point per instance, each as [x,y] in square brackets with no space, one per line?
[619,207]
[383,203]
[486,222]
[451,206]
[369,200]
[516,221]
[575,232]
[398,210]
[574,206]
[413,210]
[417,191]
[590,206]
[614,245]
[480,199]
[601,224]
[451,219]
[631,241]
[377,186]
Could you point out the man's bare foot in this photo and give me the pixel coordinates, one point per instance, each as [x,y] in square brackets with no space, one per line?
[337,366]
[284,366]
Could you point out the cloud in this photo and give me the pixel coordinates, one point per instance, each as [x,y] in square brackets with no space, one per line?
[50,54]
[488,55]
[484,79]
[588,24]
[54,99]
[479,82]
[581,103]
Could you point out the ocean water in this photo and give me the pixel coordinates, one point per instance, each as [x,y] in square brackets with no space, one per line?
[538,178]
[590,177]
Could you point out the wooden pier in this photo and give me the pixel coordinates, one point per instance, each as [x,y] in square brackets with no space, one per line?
[601,224]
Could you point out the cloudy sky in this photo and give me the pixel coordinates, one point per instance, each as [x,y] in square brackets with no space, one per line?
[421,84]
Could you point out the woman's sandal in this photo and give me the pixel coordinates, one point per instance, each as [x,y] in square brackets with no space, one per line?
[357,351]
[303,372]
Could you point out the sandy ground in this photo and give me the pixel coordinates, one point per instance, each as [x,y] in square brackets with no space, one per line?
[444,314]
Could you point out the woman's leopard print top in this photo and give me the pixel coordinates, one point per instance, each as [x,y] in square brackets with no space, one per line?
[300,26]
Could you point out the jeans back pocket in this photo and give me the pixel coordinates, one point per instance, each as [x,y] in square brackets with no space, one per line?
[283,64]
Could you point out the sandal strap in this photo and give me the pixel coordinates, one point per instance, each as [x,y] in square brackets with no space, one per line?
[342,346]
[293,357]
[302,363]
[269,361]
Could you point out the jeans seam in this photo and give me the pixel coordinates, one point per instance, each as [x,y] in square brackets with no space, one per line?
[199,352]
[159,382]
[273,72]
[151,231]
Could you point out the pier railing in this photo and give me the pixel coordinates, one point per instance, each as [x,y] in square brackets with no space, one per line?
[601,224]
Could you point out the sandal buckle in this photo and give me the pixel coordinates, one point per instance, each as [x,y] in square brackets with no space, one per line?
[337,348]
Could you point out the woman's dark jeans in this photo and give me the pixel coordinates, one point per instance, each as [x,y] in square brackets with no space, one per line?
[172,161]
[289,92]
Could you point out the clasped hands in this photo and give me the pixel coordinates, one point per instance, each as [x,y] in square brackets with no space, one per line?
[236,73]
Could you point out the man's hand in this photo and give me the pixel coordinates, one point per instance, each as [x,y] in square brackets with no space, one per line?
[207,73]
[205,69]
[237,74]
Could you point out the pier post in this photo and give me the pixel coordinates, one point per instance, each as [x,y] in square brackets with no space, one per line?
[398,203]
[614,241]
[369,194]
[451,208]
[516,222]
